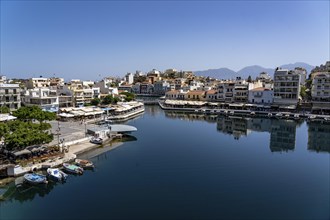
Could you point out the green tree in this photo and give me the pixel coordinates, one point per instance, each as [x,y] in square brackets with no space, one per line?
[4,129]
[21,134]
[109,99]
[95,101]
[34,112]
[128,96]
[303,92]
[4,109]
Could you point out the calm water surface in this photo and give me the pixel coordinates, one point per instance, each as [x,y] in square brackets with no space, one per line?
[184,166]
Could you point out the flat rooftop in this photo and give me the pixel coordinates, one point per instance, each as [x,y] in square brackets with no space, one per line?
[119,128]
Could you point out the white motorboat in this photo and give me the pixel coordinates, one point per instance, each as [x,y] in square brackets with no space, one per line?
[56,174]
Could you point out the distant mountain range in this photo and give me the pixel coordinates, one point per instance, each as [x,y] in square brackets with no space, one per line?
[253,71]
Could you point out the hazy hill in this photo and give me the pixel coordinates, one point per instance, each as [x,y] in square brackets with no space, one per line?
[253,71]
[221,73]
[291,66]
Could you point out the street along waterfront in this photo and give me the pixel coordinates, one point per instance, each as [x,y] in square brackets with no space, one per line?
[184,166]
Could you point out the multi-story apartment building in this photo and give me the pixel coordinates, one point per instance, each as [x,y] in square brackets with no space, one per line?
[264,77]
[242,88]
[226,91]
[10,96]
[286,87]
[38,83]
[55,81]
[105,87]
[161,87]
[321,69]
[261,95]
[46,98]
[82,92]
[321,87]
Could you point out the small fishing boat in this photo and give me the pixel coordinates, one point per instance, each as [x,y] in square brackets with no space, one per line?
[35,178]
[73,168]
[279,115]
[312,117]
[86,164]
[56,174]
[296,116]
[96,140]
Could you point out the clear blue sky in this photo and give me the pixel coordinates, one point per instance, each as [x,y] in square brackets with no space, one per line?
[91,40]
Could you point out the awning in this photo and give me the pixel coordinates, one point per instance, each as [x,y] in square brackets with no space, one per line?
[7,117]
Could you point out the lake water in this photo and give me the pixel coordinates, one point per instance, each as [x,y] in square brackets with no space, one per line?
[186,166]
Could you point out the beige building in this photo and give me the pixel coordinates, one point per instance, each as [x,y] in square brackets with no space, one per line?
[286,87]
[196,95]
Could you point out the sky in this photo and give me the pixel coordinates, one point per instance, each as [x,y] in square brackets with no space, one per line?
[95,39]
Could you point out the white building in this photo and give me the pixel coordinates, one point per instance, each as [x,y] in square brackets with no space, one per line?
[105,87]
[129,78]
[286,87]
[3,79]
[46,98]
[261,95]
[303,74]
[10,96]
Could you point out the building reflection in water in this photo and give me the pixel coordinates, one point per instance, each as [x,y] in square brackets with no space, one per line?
[318,137]
[187,116]
[282,132]
[236,126]
[282,135]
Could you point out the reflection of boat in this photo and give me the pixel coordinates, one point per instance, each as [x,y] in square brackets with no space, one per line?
[56,174]
[84,163]
[95,140]
[35,178]
[73,168]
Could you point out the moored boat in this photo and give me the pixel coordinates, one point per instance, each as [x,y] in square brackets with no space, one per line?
[73,168]
[279,115]
[35,178]
[96,140]
[312,117]
[56,174]
[86,164]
